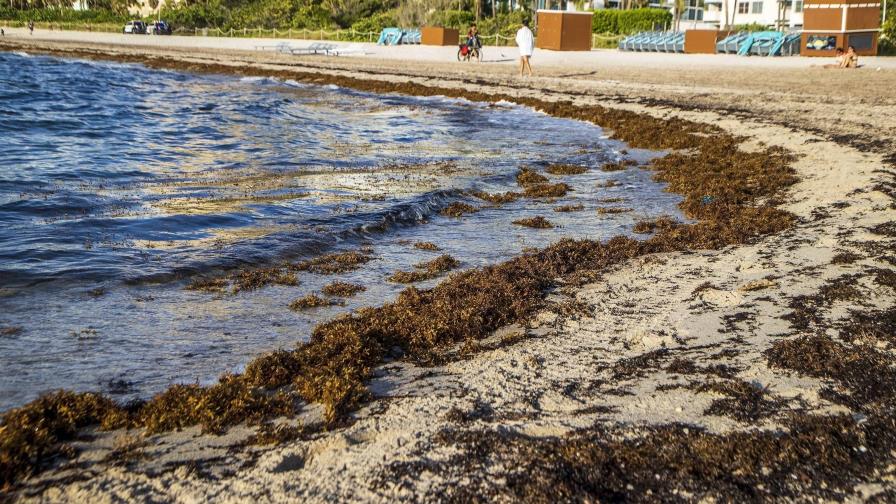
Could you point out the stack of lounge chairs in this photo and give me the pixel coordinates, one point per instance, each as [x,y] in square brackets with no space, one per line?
[396,36]
[767,43]
[654,42]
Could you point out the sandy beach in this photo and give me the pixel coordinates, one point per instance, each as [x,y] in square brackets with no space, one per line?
[761,370]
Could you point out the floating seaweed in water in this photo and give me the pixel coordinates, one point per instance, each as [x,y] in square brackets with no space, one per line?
[218,284]
[537,222]
[339,262]
[527,177]
[565,169]
[608,184]
[343,289]
[497,198]
[458,209]
[257,278]
[613,210]
[546,190]
[311,301]
[570,208]
[426,270]
[426,246]
[611,200]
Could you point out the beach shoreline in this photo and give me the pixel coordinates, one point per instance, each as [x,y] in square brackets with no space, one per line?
[567,370]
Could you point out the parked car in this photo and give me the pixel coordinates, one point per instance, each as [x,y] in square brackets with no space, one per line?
[135,27]
[158,28]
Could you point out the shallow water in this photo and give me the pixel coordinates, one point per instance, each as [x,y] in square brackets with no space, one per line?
[119,183]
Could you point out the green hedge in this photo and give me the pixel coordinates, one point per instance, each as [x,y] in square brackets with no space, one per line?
[752,27]
[625,22]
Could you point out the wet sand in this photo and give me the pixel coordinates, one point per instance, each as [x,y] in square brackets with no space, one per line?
[699,338]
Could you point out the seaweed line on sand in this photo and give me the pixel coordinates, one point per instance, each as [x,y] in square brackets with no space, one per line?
[333,366]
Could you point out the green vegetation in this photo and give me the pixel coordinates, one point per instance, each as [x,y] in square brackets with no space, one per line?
[625,22]
[357,19]
[888,31]
[751,27]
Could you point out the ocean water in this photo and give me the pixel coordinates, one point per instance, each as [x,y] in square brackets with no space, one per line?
[119,184]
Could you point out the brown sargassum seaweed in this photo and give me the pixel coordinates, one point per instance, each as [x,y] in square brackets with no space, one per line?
[537,222]
[343,289]
[458,209]
[722,187]
[426,270]
[565,169]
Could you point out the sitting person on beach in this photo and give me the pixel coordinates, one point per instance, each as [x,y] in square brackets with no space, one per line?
[839,61]
[851,59]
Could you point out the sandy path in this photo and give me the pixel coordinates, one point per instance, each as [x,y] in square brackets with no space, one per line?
[721,308]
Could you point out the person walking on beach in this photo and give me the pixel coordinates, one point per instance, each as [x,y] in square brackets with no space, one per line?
[526,42]
[31,27]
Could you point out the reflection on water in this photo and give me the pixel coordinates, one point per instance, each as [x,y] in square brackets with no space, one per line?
[118,183]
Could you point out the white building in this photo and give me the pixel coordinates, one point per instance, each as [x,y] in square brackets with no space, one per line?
[721,13]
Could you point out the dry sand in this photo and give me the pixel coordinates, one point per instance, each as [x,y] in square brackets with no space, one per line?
[710,308]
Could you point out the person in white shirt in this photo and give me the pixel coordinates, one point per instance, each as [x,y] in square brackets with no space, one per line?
[526,42]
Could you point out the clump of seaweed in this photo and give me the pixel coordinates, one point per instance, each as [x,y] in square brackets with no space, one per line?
[664,222]
[527,177]
[339,262]
[426,246]
[426,270]
[217,284]
[866,374]
[618,166]
[846,257]
[343,289]
[565,169]
[570,208]
[537,222]
[11,331]
[232,400]
[608,184]
[546,190]
[497,198]
[814,456]
[885,277]
[458,209]
[745,402]
[311,301]
[32,434]
[613,210]
[611,200]
[256,278]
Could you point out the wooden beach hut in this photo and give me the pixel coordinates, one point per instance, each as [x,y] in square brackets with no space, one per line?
[563,30]
[843,23]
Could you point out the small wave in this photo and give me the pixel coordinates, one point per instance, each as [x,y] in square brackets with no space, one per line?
[22,54]
[259,80]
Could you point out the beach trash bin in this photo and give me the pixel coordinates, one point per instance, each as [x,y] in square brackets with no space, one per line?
[563,30]
[439,36]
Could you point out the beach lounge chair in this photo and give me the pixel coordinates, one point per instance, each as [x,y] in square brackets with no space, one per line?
[348,50]
[276,47]
[390,36]
[315,48]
